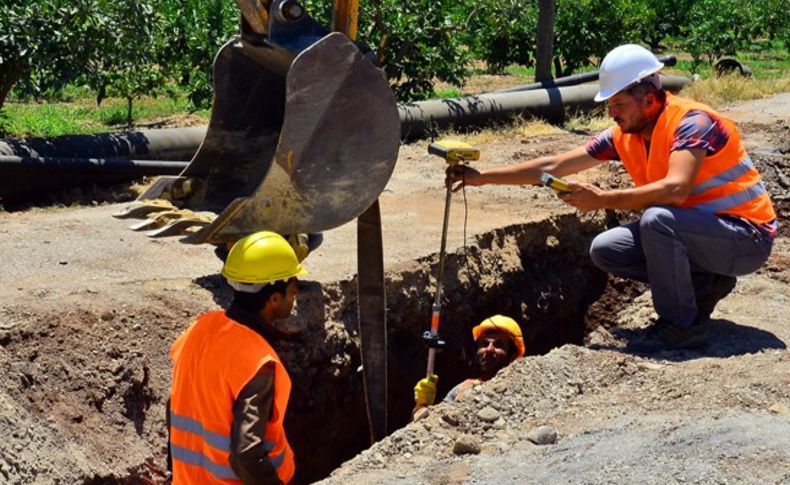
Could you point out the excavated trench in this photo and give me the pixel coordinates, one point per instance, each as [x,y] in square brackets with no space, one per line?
[538,273]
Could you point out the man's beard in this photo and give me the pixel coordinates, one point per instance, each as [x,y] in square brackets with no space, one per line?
[491,366]
[637,127]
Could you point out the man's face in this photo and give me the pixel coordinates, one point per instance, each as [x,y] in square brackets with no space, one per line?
[286,303]
[492,351]
[629,112]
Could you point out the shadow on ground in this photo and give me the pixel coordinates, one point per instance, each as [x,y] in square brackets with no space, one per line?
[725,339]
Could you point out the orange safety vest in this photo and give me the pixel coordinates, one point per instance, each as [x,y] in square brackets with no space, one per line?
[212,362]
[727,182]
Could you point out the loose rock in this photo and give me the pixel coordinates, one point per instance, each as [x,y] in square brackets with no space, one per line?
[466,445]
[488,414]
[543,435]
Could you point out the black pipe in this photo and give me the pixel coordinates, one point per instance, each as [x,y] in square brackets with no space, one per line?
[80,165]
[161,144]
[25,176]
[422,118]
[573,79]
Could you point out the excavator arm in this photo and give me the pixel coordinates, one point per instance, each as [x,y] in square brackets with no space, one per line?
[303,137]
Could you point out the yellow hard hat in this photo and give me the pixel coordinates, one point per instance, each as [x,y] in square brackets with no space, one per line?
[505,324]
[258,259]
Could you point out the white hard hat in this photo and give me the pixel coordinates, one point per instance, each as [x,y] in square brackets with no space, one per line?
[624,66]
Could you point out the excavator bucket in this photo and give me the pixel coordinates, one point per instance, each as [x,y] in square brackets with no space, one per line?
[303,137]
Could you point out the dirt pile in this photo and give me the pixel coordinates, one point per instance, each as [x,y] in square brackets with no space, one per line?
[721,415]
[88,311]
[620,419]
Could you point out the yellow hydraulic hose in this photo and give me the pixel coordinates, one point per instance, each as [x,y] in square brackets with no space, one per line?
[345,17]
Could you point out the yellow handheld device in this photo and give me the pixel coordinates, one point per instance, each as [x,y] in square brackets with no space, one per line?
[555,183]
[454,151]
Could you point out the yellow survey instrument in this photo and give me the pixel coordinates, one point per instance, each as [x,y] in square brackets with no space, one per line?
[454,151]
[555,183]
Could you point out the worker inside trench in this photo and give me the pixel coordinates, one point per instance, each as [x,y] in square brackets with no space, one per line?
[539,274]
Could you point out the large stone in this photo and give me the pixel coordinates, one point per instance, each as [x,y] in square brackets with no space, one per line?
[543,435]
[488,414]
[466,444]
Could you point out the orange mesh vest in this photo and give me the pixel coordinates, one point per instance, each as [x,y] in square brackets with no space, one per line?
[212,362]
[727,182]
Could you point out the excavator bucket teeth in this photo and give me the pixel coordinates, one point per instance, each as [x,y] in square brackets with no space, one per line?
[177,227]
[294,145]
[144,208]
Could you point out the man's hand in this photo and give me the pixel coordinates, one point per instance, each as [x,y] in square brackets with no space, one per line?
[464,174]
[425,391]
[585,197]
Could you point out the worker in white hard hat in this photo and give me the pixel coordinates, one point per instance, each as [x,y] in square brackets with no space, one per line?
[706,218]
[498,342]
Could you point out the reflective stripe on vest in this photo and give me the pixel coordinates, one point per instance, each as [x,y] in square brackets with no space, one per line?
[733,200]
[733,173]
[190,425]
[190,457]
[216,440]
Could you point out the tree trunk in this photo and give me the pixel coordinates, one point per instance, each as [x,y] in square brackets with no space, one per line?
[129,111]
[9,75]
[545,40]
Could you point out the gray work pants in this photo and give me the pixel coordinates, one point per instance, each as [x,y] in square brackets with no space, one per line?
[677,251]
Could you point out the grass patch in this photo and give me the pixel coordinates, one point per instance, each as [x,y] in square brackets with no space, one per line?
[589,123]
[521,71]
[518,128]
[83,116]
[447,92]
[718,92]
[766,59]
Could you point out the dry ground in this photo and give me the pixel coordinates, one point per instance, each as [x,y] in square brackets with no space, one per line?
[88,310]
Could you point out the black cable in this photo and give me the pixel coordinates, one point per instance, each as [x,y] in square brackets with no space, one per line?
[466,207]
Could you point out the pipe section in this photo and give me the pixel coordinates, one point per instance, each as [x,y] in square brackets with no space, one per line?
[574,79]
[421,118]
[162,144]
[24,176]
[54,165]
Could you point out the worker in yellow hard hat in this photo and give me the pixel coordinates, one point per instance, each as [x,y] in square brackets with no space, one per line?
[230,390]
[498,342]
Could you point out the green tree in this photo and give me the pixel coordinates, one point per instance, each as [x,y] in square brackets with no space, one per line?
[192,32]
[502,33]
[417,42]
[125,60]
[586,30]
[662,19]
[717,28]
[771,19]
[43,45]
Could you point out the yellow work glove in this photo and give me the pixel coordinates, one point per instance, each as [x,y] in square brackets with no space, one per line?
[299,243]
[425,391]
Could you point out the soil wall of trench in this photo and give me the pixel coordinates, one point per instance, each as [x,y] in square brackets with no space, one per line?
[84,385]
